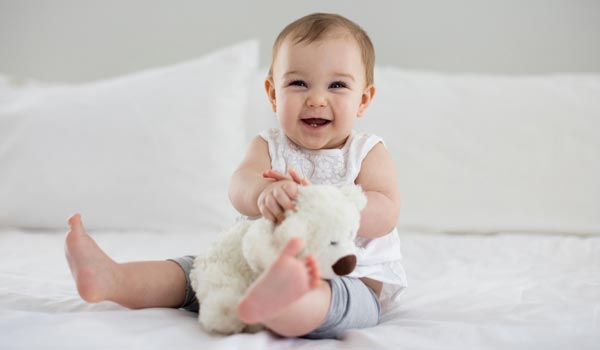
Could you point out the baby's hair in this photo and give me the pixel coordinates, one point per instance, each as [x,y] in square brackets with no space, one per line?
[316,26]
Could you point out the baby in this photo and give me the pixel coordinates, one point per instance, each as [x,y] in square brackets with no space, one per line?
[319,83]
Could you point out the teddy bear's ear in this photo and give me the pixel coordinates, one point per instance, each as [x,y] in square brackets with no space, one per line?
[355,195]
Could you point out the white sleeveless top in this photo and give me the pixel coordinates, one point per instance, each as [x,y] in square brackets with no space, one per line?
[377,258]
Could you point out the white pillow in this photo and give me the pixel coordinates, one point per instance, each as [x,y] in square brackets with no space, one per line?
[12,89]
[152,150]
[492,153]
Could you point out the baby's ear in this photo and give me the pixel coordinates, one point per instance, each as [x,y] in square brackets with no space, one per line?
[355,195]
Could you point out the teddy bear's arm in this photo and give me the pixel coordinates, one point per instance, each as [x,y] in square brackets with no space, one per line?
[258,246]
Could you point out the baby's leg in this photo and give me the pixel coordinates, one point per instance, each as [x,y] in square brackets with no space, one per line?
[351,304]
[134,285]
[304,315]
[289,298]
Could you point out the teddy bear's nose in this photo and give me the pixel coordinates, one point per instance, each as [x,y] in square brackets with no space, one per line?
[345,265]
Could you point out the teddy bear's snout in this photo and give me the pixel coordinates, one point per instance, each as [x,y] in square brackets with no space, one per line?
[344,265]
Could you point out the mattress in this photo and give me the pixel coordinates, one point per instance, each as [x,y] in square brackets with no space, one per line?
[501,291]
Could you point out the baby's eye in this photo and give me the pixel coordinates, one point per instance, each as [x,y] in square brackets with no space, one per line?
[298,83]
[337,85]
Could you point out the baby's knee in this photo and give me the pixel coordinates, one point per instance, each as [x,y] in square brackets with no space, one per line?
[353,306]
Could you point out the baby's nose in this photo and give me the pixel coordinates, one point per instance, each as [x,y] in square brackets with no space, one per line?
[344,265]
[316,100]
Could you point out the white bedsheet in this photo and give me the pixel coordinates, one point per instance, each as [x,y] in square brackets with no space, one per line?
[503,291]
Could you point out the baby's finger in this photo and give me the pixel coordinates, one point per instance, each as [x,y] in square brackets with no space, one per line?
[275,175]
[291,189]
[267,215]
[280,218]
[297,178]
[274,207]
[283,198]
[264,211]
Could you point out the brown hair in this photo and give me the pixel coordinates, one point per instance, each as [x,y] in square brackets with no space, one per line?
[316,26]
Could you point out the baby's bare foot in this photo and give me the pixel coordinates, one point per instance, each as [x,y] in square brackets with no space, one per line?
[94,272]
[286,280]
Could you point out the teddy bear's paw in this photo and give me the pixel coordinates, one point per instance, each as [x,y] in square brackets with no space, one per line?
[218,313]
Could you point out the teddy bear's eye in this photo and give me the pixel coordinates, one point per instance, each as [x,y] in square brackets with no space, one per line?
[333,243]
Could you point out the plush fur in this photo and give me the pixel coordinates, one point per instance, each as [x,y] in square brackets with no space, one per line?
[326,217]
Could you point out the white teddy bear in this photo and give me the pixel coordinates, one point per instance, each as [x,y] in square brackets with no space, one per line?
[326,218]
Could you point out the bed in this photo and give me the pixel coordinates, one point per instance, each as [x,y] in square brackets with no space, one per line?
[500,223]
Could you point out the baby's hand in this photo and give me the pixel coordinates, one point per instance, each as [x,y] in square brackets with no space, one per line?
[275,175]
[279,196]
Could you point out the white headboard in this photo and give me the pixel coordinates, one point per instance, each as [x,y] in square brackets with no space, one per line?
[72,40]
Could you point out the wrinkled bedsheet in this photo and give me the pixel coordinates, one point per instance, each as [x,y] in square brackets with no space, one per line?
[502,291]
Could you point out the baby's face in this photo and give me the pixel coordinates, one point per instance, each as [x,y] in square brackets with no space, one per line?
[318,90]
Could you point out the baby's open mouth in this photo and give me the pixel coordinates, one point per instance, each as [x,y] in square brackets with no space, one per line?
[316,122]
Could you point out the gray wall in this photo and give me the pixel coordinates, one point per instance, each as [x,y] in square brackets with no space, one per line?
[78,40]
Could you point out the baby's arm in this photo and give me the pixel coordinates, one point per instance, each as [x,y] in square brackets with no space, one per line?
[253,191]
[378,180]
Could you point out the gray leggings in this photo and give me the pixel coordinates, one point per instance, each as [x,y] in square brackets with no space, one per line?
[353,304]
